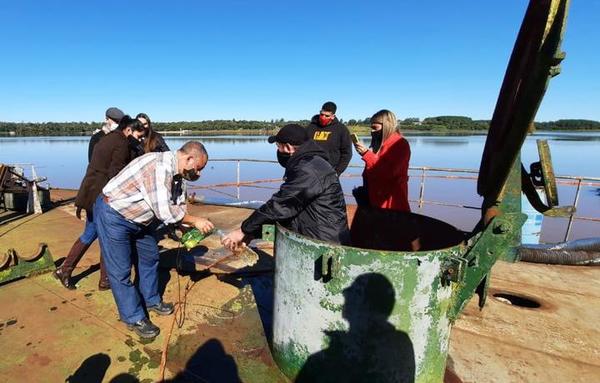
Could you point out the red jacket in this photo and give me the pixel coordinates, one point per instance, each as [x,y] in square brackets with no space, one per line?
[386,174]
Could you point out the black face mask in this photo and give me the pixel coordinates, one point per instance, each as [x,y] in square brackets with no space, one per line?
[283,158]
[190,174]
[376,138]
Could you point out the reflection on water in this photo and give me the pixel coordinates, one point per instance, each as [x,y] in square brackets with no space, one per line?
[440,141]
[583,136]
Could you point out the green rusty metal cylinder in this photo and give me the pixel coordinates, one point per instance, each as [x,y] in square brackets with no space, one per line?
[353,314]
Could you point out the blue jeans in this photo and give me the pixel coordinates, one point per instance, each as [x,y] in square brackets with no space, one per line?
[89,233]
[117,237]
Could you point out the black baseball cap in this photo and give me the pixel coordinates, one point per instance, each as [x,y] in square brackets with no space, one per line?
[292,134]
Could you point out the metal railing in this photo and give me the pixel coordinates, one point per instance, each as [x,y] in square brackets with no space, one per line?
[422,172]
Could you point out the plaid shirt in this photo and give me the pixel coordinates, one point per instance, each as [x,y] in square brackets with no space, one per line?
[144,190]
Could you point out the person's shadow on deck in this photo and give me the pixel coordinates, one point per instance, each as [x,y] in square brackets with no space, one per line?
[372,350]
[210,363]
[92,370]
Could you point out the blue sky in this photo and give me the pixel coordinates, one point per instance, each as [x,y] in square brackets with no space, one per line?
[261,60]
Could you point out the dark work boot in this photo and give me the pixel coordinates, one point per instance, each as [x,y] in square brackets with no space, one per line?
[144,328]
[162,308]
[103,283]
[63,273]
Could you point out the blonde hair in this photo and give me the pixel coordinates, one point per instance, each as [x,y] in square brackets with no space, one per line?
[389,121]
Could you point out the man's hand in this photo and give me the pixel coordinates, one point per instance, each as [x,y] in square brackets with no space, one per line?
[203,224]
[360,148]
[234,240]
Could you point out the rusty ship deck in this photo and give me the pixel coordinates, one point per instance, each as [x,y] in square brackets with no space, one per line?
[50,334]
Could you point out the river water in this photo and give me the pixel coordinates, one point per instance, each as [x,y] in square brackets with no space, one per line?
[63,161]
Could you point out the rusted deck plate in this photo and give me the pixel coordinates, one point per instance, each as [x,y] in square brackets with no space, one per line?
[48,333]
[557,342]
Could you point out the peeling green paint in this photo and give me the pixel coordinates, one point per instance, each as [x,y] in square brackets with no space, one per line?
[138,361]
[24,268]
[424,311]
[330,305]
[290,358]
[403,270]
[253,370]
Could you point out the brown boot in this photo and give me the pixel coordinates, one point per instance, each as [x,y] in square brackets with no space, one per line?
[63,273]
[103,283]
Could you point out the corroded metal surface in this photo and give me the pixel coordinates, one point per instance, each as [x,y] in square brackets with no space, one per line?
[315,281]
[18,265]
[556,342]
[547,172]
[48,333]
[312,309]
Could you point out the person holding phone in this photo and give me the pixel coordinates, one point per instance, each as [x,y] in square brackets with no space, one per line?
[385,175]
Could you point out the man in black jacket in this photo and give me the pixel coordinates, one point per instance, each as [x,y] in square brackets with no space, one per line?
[333,136]
[310,201]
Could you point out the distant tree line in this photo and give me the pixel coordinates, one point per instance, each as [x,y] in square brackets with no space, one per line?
[568,125]
[462,123]
[434,124]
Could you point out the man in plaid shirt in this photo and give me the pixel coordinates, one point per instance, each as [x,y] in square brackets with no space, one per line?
[145,193]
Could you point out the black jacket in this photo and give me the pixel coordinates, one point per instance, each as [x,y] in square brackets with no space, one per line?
[136,148]
[335,140]
[309,202]
[161,145]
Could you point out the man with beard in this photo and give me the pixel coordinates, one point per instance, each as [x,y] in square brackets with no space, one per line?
[146,192]
[333,136]
[310,200]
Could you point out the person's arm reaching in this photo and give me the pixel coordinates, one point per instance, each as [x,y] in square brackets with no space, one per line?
[292,197]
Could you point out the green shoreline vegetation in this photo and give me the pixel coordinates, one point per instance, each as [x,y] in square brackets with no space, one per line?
[429,125]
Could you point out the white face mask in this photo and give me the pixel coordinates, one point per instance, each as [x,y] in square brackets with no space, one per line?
[113,126]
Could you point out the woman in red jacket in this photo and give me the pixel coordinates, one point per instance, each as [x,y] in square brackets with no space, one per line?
[386,163]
